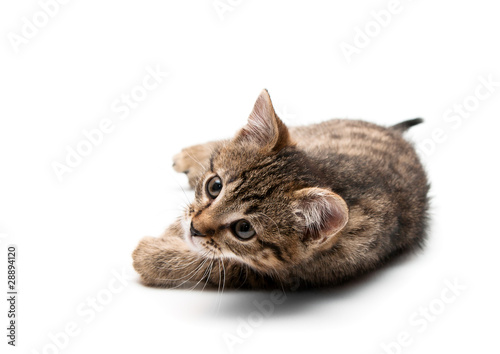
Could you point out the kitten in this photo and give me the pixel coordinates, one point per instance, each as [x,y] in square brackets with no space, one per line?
[280,207]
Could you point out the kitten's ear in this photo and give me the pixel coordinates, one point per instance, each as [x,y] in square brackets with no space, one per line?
[264,128]
[323,213]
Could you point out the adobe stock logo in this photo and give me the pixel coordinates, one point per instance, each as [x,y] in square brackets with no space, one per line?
[455,117]
[222,7]
[87,312]
[246,326]
[264,309]
[364,35]
[422,318]
[32,25]
[123,106]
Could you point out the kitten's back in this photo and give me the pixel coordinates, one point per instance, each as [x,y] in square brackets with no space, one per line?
[380,177]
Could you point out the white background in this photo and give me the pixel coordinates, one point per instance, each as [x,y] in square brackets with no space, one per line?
[74,235]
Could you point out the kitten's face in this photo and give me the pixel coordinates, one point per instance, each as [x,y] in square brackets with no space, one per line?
[243,209]
[259,201]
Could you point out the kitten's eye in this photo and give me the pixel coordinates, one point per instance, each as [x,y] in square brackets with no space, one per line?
[214,186]
[243,229]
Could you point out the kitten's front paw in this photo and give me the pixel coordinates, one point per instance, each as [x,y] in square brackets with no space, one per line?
[158,260]
[142,255]
[193,161]
[145,259]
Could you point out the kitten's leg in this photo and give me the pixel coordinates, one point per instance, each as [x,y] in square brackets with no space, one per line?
[168,261]
[194,160]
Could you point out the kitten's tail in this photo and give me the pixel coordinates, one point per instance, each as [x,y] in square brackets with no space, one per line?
[407,124]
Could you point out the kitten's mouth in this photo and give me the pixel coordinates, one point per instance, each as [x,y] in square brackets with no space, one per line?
[190,242]
[194,243]
[188,238]
[201,245]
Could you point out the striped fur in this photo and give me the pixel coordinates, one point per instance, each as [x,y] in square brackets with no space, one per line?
[328,202]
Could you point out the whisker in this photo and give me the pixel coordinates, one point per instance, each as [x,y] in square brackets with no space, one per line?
[180,264]
[223,282]
[183,191]
[279,279]
[194,271]
[198,282]
[195,159]
[246,274]
[185,281]
[209,274]
[219,283]
[203,276]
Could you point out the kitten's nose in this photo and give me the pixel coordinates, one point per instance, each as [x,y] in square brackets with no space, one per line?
[195,232]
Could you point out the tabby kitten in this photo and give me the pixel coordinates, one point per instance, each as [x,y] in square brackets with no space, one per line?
[280,207]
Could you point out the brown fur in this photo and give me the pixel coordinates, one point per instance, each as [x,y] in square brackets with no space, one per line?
[327,201]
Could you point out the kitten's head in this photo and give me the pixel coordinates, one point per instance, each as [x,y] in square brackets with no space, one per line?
[260,201]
